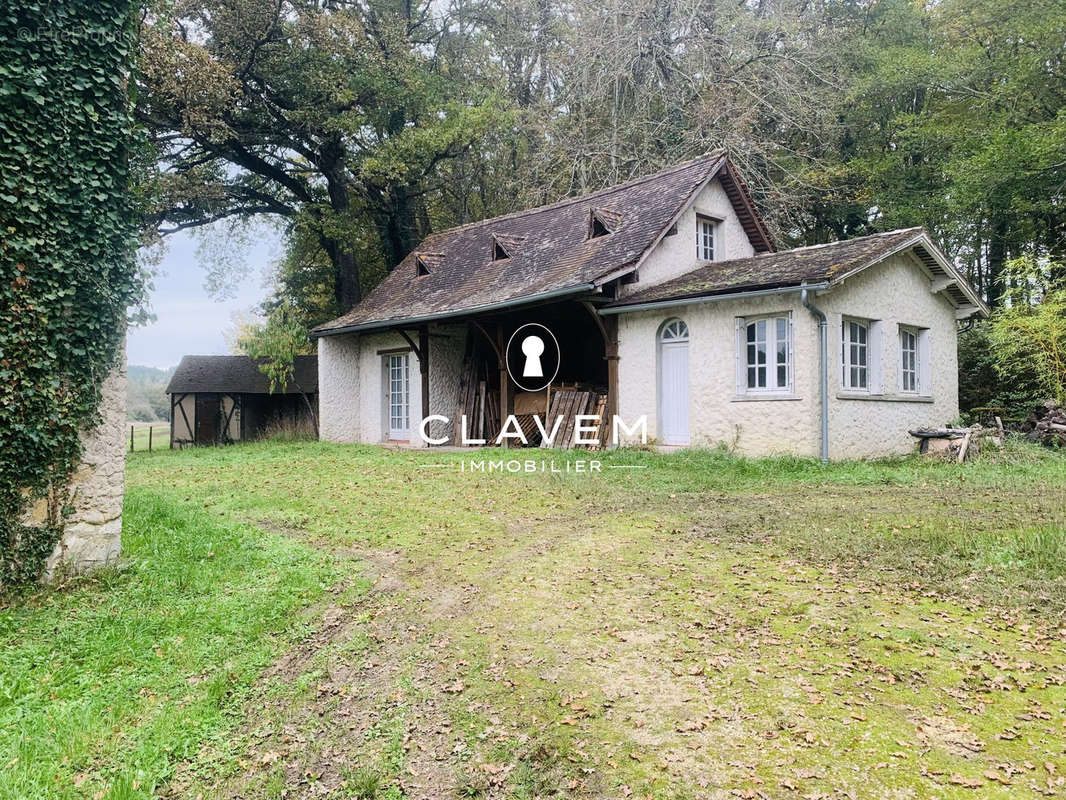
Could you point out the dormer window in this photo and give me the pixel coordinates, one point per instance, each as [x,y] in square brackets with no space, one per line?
[706,234]
[603,222]
[426,263]
[505,245]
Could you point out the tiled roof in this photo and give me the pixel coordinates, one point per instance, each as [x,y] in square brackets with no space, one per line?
[550,249]
[813,264]
[238,375]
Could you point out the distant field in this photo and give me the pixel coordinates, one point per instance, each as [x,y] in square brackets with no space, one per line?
[302,620]
[160,437]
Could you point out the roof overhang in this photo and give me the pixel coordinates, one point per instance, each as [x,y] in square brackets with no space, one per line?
[738,195]
[408,322]
[944,278]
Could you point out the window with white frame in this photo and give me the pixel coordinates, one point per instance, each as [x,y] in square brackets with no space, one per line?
[706,228]
[764,354]
[908,360]
[860,355]
[915,374]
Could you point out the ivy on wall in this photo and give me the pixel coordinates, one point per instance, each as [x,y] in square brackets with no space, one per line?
[68,224]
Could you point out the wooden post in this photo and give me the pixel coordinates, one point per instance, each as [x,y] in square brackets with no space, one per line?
[150,429]
[610,325]
[505,380]
[131,438]
[423,367]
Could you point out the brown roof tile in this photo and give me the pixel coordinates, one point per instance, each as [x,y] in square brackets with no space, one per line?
[550,250]
[813,264]
[237,375]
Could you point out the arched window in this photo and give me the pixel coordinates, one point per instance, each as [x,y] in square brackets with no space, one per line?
[674,330]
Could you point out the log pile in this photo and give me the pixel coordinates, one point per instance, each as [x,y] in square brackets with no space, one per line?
[1047,424]
[958,444]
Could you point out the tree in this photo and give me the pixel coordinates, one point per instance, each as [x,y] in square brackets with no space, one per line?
[1028,335]
[954,120]
[275,344]
[332,116]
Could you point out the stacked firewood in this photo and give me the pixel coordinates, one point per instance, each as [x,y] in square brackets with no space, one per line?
[1047,424]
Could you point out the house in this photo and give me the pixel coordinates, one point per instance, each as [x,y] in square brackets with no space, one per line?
[666,296]
[222,399]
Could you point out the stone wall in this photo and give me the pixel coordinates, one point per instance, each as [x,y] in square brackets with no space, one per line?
[92,534]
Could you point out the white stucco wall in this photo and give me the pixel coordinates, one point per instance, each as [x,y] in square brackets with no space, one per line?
[352,390]
[895,293]
[676,254]
[716,413]
[338,388]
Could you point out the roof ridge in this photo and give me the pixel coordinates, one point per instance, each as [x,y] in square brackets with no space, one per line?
[716,155]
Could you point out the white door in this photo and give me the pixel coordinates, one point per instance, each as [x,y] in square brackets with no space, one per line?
[399,397]
[673,383]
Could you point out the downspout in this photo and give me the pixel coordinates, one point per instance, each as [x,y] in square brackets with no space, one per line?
[823,358]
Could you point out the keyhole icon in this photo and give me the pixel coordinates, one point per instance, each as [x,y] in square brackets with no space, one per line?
[532,348]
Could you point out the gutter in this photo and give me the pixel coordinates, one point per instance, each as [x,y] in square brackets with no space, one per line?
[823,358]
[409,321]
[711,298]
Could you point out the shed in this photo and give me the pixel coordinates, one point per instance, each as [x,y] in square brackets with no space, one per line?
[222,399]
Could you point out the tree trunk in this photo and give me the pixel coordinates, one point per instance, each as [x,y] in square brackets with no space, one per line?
[346,290]
[997,259]
[398,225]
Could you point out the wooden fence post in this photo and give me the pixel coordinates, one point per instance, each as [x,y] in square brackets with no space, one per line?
[150,429]
[131,438]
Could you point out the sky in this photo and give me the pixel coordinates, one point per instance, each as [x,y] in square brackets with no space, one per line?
[189,321]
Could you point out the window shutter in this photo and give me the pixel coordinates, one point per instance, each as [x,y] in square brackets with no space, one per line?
[875,350]
[899,358]
[738,358]
[925,363]
[843,359]
[791,355]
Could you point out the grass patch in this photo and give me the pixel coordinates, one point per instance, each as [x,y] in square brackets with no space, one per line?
[708,625]
[109,682]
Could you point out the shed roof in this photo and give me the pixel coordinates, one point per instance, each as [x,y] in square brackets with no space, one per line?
[822,263]
[238,375]
[550,250]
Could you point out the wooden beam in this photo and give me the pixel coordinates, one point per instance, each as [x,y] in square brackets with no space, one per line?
[491,340]
[423,367]
[184,416]
[608,327]
[224,434]
[505,380]
[411,342]
[611,354]
[940,285]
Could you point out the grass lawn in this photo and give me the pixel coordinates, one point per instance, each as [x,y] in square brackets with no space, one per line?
[314,620]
